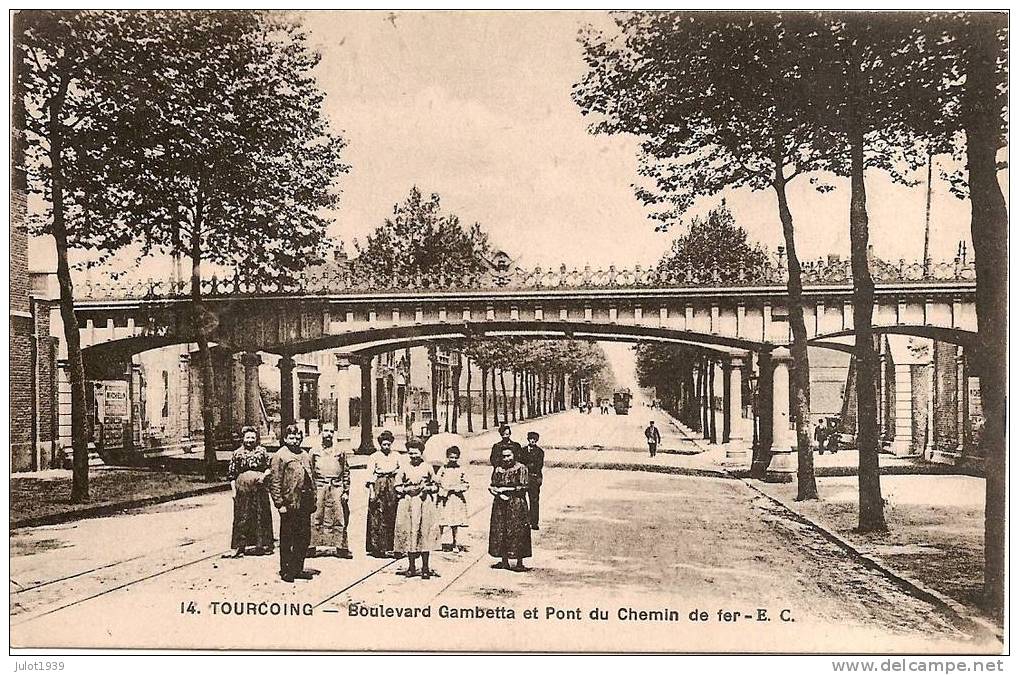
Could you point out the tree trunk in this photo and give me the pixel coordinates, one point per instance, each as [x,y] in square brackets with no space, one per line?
[495,400]
[530,395]
[484,397]
[705,421]
[470,400]
[691,396]
[989,226]
[505,403]
[434,383]
[76,366]
[546,404]
[872,518]
[445,395]
[513,401]
[806,485]
[712,426]
[520,400]
[204,353]
[456,371]
[539,394]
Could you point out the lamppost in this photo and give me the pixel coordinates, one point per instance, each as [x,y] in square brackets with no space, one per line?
[753,383]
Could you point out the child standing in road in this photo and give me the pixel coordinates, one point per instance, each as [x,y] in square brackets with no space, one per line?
[452,482]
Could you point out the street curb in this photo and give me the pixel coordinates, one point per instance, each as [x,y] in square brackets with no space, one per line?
[626,466]
[109,509]
[481,432]
[912,586]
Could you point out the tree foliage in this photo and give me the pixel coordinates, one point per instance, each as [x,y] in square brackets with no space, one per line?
[194,133]
[53,59]
[236,161]
[714,241]
[577,358]
[420,239]
[720,100]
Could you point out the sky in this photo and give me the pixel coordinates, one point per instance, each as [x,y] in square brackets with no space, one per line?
[476,107]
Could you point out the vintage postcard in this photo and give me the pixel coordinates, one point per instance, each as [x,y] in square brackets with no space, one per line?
[491,331]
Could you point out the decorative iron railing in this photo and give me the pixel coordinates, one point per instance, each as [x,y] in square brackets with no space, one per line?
[340,280]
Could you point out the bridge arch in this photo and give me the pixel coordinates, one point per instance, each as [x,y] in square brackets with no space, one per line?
[398,336]
[957,336]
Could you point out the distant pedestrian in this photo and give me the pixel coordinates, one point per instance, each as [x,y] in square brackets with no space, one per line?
[293,492]
[452,481]
[382,467]
[417,524]
[819,436]
[495,458]
[331,472]
[653,436]
[534,460]
[509,533]
[832,438]
[248,471]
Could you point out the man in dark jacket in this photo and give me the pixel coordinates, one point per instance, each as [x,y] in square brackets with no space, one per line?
[653,436]
[505,442]
[292,487]
[534,460]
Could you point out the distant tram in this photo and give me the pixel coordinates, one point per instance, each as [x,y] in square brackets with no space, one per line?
[621,401]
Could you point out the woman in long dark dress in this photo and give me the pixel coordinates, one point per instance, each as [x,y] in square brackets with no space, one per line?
[252,526]
[509,534]
[382,498]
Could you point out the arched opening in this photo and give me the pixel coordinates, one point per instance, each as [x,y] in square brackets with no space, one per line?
[928,392]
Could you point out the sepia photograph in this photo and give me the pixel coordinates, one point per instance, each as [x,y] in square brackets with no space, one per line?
[660,331]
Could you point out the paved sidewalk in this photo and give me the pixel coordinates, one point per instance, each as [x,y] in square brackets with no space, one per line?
[43,497]
[935,531]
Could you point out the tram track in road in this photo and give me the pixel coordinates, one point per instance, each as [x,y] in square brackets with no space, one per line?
[472,516]
[374,572]
[467,569]
[153,553]
[50,582]
[156,555]
[134,581]
[118,587]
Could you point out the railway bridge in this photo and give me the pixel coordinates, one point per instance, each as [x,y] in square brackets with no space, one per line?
[738,317]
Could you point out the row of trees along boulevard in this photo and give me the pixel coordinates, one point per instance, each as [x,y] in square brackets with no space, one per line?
[196,134]
[724,100]
[546,376]
[420,238]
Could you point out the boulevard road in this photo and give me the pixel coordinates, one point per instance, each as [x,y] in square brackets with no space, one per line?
[624,560]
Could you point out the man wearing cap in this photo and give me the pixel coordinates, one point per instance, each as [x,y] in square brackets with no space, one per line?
[504,443]
[534,459]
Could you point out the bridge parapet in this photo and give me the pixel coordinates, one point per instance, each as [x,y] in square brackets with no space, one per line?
[338,282]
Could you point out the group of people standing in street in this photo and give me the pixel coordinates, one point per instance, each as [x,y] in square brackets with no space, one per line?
[306,488]
[516,492]
[413,508]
